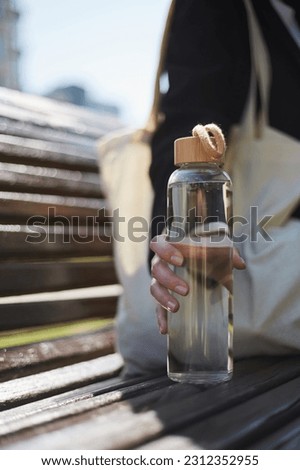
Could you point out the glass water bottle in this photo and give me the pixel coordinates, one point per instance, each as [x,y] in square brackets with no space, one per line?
[198,222]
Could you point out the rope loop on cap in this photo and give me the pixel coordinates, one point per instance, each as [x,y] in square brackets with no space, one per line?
[212,140]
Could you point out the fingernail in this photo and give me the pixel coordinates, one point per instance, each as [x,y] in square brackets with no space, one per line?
[171,305]
[182,290]
[177,260]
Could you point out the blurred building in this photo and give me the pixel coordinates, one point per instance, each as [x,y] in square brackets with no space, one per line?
[77,95]
[9,52]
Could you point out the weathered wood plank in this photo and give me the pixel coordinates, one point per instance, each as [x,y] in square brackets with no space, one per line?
[27,151]
[238,428]
[44,112]
[77,176]
[26,360]
[131,423]
[54,307]
[41,180]
[31,277]
[26,208]
[58,241]
[287,437]
[85,399]
[65,126]
[21,128]
[52,382]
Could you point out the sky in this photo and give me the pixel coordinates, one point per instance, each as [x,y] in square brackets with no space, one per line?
[109,47]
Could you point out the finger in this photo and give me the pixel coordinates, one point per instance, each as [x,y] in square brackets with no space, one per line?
[237,261]
[167,278]
[162,320]
[227,282]
[166,250]
[163,296]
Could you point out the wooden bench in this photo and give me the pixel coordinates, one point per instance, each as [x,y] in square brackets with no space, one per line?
[56,273]
[61,386]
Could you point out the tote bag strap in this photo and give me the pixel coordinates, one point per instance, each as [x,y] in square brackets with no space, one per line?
[260,76]
[153,118]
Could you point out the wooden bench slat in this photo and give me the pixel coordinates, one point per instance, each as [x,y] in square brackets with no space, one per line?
[26,151]
[25,390]
[86,399]
[56,128]
[54,307]
[287,437]
[32,358]
[11,125]
[21,178]
[55,115]
[132,423]
[46,241]
[19,207]
[55,111]
[249,421]
[77,176]
[27,278]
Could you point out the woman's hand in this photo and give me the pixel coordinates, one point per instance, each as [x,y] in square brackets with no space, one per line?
[165,280]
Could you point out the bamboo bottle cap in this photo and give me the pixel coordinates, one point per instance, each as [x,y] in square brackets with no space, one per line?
[206,145]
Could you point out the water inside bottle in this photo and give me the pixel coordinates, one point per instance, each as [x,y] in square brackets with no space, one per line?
[200,333]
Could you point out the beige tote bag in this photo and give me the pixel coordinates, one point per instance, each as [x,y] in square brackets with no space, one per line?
[124,172]
[265,167]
